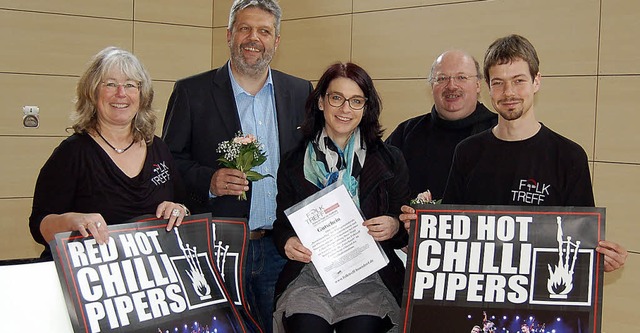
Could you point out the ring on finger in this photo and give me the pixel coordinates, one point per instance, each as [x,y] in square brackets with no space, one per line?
[175,212]
[98,224]
[226,186]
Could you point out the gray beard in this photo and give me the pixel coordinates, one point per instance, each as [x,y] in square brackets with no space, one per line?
[253,71]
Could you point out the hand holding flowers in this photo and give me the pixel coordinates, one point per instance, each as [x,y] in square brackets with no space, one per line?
[243,153]
[409,213]
[423,198]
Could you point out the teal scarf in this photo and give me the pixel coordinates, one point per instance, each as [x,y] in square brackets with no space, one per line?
[325,163]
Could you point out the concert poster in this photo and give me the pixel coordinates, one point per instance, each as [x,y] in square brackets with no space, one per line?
[504,269]
[147,279]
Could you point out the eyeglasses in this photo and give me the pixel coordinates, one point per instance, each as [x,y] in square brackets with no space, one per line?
[129,86]
[459,79]
[337,100]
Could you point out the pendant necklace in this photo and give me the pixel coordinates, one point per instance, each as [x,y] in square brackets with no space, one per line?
[119,151]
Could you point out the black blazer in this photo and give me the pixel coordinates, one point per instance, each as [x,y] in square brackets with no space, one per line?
[202,112]
[384,188]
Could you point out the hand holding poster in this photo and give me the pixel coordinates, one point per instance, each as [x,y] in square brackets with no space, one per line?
[504,268]
[330,225]
[148,279]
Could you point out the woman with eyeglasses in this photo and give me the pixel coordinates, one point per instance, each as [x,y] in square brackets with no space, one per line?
[113,168]
[342,142]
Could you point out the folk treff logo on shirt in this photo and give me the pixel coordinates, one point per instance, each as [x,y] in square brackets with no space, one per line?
[530,191]
[161,171]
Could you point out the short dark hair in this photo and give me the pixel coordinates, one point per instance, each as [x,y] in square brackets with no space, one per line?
[507,49]
[370,128]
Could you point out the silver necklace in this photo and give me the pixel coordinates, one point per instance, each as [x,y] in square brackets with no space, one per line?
[119,151]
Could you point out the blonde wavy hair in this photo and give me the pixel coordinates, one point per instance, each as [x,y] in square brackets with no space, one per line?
[85,116]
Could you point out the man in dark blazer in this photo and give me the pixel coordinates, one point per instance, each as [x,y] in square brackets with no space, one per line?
[243,95]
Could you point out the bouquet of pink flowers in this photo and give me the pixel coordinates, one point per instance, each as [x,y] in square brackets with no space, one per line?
[243,152]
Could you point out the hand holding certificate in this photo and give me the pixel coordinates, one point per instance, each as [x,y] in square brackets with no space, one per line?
[330,225]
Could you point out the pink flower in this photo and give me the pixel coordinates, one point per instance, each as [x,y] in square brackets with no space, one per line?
[425,196]
[245,140]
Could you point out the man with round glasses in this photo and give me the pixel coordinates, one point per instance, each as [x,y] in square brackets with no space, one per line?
[428,141]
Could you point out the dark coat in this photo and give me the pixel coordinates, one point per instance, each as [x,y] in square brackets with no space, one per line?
[202,112]
[428,141]
[384,188]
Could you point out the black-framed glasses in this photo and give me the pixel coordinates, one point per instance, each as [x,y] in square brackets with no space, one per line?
[337,100]
[459,79]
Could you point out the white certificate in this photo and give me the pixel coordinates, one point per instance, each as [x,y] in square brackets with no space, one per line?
[330,225]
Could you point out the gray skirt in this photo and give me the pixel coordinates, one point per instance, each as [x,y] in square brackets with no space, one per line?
[307,294]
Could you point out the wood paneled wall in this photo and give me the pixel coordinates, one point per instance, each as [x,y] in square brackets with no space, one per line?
[590,64]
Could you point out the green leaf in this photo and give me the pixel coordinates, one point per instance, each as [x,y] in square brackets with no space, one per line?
[226,163]
[247,160]
[254,176]
[261,158]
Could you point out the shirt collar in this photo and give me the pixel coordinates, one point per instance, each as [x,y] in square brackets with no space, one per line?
[237,89]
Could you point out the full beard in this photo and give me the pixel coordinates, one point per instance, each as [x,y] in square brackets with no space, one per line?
[248,69]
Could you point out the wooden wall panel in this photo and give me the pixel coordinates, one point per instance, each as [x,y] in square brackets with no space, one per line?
[121,9]
[617,138]
[161,98]
[376,5]
[401,100]
[574,116]
[28,154]
[398,43]
[306,51]
[186,12]
[220,53]
[619,53]
[291,9]
[170,52]
[616,187]
[54,95]
[221,10]
[294,9]
[51,44]
[619,309]
[17,242]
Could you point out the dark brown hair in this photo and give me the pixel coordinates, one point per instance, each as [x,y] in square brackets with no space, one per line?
[370,128]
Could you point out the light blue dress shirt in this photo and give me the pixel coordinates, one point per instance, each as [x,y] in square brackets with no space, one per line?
[258,117]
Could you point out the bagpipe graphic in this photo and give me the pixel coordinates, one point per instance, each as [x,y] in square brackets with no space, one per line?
[194,279]
[568,276]
[520,265]
[148,279]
